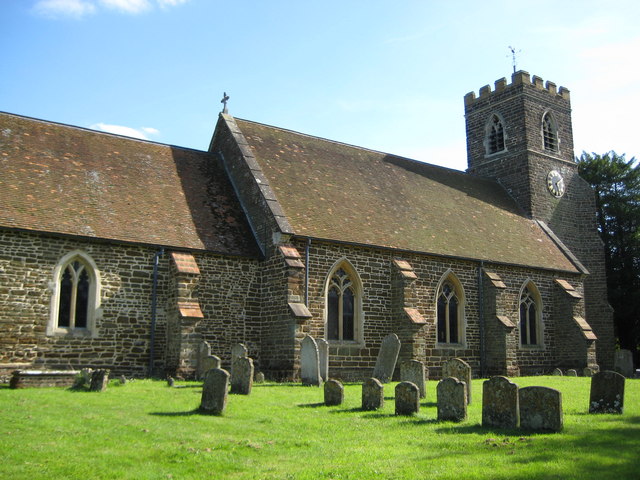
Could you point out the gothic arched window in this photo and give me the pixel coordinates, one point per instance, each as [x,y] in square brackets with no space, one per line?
[450,312]
[75,295]
[343,305]
[530,312]
[549,133]
[495,137]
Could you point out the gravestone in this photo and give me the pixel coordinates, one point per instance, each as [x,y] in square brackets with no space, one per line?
[414,371]
[500,403]
[170,382]
[540,409]
[123,380]
[204,350]
[323,357]
[451,396]
[309,362]
[83,379]
[239,350]
[572,373]
[587,372]
[209,362]
[372,394]
[333,393]
[387,358]
[242,378]
[259,378]
[623,363]
[214,391]
[99,380]
[407,398]
[607,392]
[557,372]
[458,368]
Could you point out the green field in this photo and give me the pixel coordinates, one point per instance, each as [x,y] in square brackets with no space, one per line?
[145,430]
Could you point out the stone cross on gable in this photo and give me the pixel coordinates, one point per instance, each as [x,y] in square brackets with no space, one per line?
[225,99]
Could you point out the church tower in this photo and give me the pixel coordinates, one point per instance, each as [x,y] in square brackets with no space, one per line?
[520,134]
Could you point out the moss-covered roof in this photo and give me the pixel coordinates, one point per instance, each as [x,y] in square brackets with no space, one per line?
[61,179]
[334,191]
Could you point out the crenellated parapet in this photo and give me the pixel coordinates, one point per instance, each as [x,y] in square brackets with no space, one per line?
[519,78]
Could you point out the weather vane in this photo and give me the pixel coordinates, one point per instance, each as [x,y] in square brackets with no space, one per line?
[224,101]
[514,52]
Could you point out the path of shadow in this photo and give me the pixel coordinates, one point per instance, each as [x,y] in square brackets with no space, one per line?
[177,414]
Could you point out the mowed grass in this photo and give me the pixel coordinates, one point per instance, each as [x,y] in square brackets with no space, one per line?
[145,430]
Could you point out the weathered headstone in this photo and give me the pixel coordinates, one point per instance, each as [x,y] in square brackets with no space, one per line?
[540,409]
[214,391]
[623,363]
[242,378]
[572,373]
[407,398]
[387,358]
[557,372]
[500,403]
[452,399]
[414,371]
[587,372]
[83,379]
[323,357]
[170,382]
[123,380]
[372,394]
[204,350]
[309,362]
[458,368]
[607,392]
[333,392]
[99,380]
[259,377]
[209,362]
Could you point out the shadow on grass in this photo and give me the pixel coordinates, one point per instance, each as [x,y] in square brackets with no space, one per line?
[311,405]
[178,414]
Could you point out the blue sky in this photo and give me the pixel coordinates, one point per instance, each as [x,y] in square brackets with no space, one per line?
[383,74]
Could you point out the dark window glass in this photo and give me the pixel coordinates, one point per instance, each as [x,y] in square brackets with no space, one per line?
[532,324]
[82,300]
[549,134]
[64,307]
[453,320]
[496,135]
[333,314]
[442,319]
[347,315]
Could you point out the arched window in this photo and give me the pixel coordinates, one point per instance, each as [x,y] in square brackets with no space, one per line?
[530,315]
[75,296]
[494,135]
[549,133]
[343,304]
[450,311]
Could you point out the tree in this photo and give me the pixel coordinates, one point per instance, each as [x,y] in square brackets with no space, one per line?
[616,182]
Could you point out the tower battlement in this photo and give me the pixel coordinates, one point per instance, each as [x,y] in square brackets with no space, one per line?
[518,78]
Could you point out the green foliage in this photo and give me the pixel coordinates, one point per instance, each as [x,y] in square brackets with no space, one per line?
[616,182]
[145,430]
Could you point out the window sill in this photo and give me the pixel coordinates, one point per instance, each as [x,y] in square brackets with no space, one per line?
[531,347]
[71,332]
[451,346]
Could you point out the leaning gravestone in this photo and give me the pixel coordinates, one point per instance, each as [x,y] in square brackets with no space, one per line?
[557,372]
[309,362]
[607,392]
[458,368]
[540,408]
[407,398]
[387,358]
[209,362]
[372,394]
[452,400]
[204,350]
[99,380]
[500,403]
[242,378]
[323,357]
[623,363]
[333,393]
[413,371]
[572,373]
[214,391]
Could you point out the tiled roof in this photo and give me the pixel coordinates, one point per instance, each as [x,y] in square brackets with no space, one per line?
[334,191]
[61,179]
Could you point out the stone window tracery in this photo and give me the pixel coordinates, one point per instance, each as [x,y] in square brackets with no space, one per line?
[343,305]
[450,312]
[495,137]
[549,133]
[530,310]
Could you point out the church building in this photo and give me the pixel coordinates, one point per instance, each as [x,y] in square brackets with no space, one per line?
[127,254]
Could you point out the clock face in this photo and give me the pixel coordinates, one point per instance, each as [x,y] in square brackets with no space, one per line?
[555,183]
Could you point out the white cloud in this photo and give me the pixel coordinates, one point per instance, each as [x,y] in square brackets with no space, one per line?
[64,8]
[127,6]
[125,131]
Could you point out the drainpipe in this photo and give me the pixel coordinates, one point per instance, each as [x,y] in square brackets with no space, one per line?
[154,303]
[481,319]
[306,273]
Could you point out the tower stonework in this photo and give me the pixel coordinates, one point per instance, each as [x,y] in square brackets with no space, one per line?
[520,134]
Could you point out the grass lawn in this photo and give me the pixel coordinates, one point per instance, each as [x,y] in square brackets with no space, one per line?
[145,430]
